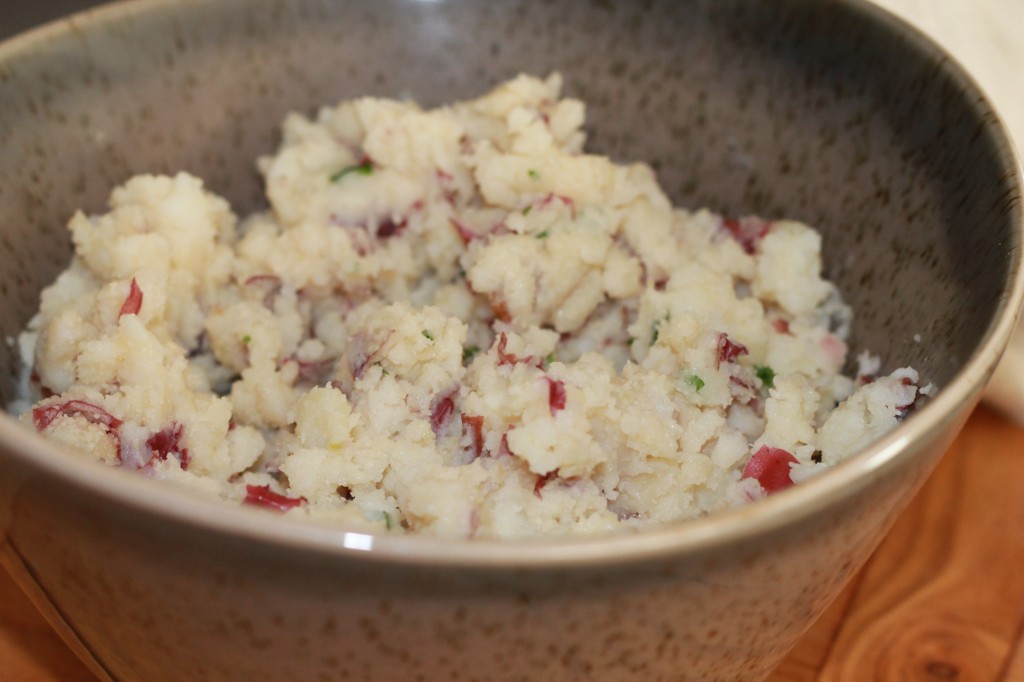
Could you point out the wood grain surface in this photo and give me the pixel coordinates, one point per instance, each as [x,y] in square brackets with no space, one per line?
[942,599]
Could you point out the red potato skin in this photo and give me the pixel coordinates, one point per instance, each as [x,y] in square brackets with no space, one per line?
[133,303]
[263,496]
[770,466]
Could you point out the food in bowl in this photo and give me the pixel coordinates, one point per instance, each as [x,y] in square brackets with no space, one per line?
[453,321]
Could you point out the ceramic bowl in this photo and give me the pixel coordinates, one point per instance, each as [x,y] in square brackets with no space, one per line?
[834,113]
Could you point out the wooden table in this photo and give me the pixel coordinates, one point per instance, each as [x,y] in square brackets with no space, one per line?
[942,599]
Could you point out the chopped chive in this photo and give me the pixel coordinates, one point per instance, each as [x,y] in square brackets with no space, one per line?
[526,211]
[542,235]
[427,334]
[695,381]
[766,374]
[534,174]
[364,167]
[247,339]
[550,358]
[387,520]
[655,328]
[469,352]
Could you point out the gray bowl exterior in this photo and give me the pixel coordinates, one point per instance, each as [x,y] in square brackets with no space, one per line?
[146,600]
[829,112]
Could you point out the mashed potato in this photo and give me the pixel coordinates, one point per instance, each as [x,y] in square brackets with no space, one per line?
[453,322]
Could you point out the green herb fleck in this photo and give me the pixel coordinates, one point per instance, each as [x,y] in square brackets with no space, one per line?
[630,341]
[247,339]
[469,352]
[695,381]
[534,174]
[364,167]
[387,520]
[543,235]
[655,328]
[766,374]
[427,334]
[526,211]
[550,358]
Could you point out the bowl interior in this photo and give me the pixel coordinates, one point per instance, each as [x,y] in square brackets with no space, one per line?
[826,112]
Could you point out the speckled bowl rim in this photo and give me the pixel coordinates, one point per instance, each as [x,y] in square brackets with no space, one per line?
[717,531]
